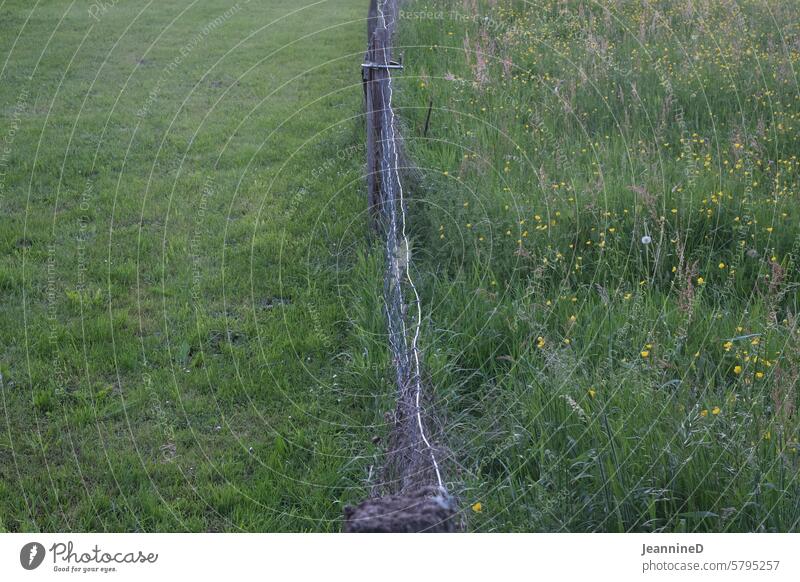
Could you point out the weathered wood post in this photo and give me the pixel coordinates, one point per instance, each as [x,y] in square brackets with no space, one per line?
[369,117]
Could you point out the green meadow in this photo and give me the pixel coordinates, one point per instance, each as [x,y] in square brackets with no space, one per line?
[606,222]
[603,214]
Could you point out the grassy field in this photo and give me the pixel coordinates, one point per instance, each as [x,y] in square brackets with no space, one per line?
[182,207]
[604,220]
[607,237]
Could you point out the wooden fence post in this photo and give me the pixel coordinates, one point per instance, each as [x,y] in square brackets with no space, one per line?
[373,172]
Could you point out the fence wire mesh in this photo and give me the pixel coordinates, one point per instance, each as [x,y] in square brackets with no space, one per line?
[413,458]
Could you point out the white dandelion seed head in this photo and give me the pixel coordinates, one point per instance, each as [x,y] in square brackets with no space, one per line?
[646,240]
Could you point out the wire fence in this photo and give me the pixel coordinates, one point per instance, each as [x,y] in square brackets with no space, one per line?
[417,498]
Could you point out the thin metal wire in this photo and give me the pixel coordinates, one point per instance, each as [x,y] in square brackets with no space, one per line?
[393,295]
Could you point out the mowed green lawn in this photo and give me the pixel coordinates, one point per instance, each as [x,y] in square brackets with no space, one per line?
[182,219]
